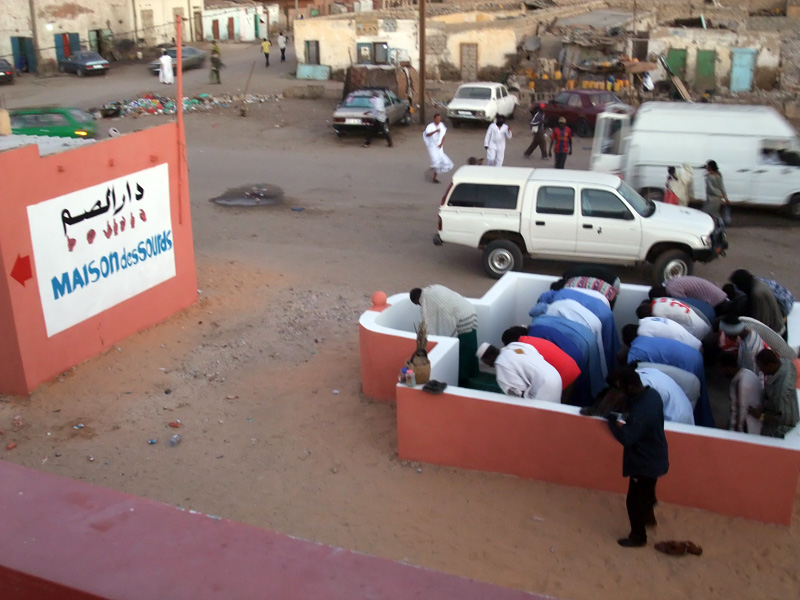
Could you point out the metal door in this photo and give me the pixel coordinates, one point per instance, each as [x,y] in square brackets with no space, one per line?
[61,42]
[231,29]
[743,61]
[469,62]
[705,77]
[147,28]
[607,227]
[676,59]
[177,13]
[198,27]
[215,29]
[312,52]
[94,40]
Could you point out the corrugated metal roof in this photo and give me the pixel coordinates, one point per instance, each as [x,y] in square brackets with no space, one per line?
[47,144]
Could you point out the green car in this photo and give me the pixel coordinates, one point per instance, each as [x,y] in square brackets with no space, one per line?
[54,121]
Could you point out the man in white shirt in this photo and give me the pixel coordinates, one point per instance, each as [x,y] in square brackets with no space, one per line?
[659,327]
[677,311]
[677,407]
[495,141]
[433,136]
[522,372]
[282,46]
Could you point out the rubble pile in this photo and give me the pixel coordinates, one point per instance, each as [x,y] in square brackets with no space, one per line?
[155,104]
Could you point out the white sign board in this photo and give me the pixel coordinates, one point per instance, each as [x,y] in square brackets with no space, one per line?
[102,245]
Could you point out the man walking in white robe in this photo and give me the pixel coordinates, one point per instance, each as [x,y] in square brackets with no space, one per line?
[433,136]
[495,141]
[165,74]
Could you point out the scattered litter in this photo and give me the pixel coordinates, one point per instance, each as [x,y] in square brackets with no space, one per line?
[11,446]
[298,208]
[153,441]
[57,454]
[175,424]
[249,420]
[335,392]
[419,470]
[231,397]
[175,440]
[16,421]
[153,104]
[79,426]
[538,519]
[220,456]
[91,458]
[167,391]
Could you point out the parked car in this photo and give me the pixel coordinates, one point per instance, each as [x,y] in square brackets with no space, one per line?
[508,212]
[6,71]
[580,108]
[83,63]
[193,58]
[357,114]
[56,121]
[757,149]
[481,102]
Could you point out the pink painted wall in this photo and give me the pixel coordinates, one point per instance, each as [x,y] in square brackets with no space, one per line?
[68,540]
[27,356]
[382,357]
[729,477]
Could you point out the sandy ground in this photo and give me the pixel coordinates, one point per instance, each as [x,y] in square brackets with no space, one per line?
[263,372]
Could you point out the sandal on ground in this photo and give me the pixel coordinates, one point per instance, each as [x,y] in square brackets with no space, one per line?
[693,548]
[672,547]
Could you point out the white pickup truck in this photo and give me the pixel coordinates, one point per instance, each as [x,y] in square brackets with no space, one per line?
[571,215]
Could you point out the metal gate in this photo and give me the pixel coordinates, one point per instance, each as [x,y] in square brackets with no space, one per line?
[215,29]
[676,59]
[231,29]
[198,26]
[469,62]
[148,30]
[743,62]
[705,77]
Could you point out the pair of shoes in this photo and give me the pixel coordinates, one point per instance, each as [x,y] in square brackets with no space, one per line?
[434,387]
[629,542]
[677,548]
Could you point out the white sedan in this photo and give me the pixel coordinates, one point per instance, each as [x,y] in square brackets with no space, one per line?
[481,102]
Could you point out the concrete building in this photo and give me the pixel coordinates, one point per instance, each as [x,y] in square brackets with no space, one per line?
[712,59]
[59,29]
[237,21]
[155,20]
[465,41]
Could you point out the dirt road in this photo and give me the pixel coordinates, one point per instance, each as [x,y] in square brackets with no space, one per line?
[263,371]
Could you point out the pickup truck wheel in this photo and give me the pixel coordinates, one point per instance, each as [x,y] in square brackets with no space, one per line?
[672,263]
[406,120]
[793,208]
[582,128]
[500,257]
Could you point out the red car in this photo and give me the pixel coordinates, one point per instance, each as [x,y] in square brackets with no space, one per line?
[580,108]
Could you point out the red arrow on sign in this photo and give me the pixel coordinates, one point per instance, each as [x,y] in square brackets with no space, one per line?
[22,269]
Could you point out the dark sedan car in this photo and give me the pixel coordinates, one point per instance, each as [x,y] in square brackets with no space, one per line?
[6,71]
[580,108]
[192,59]
[83,63]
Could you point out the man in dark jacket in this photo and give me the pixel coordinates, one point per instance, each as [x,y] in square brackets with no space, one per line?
[537,131]
[645,455]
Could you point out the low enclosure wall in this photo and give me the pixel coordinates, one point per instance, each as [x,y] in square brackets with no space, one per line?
[722,471]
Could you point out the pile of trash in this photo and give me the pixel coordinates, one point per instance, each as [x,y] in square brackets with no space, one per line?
[154,104]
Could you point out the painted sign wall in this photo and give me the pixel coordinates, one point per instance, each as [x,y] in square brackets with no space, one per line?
[99,246]
[96,247]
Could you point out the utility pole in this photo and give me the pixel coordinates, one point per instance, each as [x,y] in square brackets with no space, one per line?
[37,58]
[422,61]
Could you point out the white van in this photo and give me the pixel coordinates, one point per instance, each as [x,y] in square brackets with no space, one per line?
[756,149]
